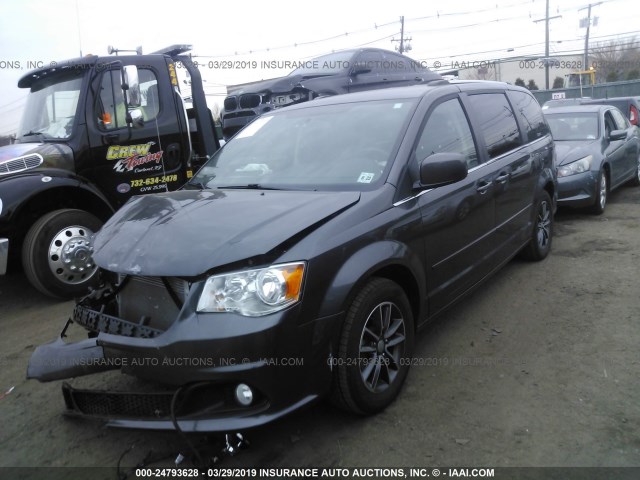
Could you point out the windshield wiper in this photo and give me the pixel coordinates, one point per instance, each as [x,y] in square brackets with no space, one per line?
[197,184]
[31,133]
[250,186]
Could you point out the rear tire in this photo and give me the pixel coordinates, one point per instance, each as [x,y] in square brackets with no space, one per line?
[540,243]
[635,181]
[375,348]
[56,253]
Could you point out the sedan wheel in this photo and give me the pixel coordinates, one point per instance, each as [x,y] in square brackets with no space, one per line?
[635,181]
[601,193]
[375,348]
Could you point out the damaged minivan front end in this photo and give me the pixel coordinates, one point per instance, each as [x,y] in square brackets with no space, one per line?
[233,345]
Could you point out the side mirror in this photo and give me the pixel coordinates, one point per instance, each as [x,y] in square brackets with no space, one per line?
[135,118]
[131,86]
[360,67]
[442,169]
[617,135]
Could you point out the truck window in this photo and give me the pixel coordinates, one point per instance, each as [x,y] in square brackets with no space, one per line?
[110,108]
[447,130]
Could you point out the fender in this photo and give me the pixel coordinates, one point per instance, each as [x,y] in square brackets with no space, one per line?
[17,190]
[387,258]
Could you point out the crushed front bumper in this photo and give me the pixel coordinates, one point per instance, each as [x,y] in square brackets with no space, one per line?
[200,361]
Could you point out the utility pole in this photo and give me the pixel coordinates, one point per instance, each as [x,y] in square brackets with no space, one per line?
[402,48]
[586,22]
[546,43]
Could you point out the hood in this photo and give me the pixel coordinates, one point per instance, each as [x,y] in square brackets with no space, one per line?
[187,233]
[281,84]
[55,155]
[570,151]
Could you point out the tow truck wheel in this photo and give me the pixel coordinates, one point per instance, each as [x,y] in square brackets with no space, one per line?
[56,253]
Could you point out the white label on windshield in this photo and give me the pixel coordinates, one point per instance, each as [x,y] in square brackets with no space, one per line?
[366,177]
[253,127]
[397,105]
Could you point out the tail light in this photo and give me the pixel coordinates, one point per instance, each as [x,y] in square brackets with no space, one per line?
[633,115]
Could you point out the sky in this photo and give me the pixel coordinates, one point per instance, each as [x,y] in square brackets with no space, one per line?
[231,40]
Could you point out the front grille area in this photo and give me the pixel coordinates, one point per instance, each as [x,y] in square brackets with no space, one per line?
[21,164]
[195,400]
[117,404]
[147,301]
[250,100]
[230,103]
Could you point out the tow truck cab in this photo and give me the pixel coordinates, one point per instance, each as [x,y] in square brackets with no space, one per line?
[95,131]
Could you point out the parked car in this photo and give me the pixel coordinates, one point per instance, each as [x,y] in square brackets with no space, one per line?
[598,150]
[333,74]
[300,260]
[630,106]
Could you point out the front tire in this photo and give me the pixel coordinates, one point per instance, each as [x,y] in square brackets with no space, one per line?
[375,348]
[602,193]
[56,253]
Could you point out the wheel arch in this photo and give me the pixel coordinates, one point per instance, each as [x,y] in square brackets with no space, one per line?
[56,194]
[386,259]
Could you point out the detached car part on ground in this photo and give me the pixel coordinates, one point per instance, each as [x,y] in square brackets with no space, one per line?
[598,150]
[333,74]
[302,258]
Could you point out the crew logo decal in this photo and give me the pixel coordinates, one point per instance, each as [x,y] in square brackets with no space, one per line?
[134,158]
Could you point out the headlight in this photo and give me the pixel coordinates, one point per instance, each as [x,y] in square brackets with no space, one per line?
[253,293]
[579,166]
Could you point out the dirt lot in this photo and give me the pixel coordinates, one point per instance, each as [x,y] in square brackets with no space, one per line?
[539,367]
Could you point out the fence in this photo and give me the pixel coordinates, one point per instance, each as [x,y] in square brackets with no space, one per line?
[628,88]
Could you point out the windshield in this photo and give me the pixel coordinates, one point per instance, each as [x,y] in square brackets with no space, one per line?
[326,65]
[346,147]
[573,126]
[51,106]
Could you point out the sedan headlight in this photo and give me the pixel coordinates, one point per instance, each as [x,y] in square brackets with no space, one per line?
[253,293]
[579,166]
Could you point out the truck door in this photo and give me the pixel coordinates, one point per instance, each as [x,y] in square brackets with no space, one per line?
[129,160]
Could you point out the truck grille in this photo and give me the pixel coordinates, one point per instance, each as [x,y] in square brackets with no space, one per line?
[21,164]
[147,301]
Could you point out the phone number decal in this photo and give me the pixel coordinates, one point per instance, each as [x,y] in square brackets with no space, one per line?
[141,182]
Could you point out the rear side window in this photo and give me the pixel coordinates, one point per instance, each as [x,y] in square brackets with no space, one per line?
[530,114]
[447,130]
[497,122]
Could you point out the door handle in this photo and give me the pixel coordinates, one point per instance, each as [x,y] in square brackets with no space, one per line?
[483,187]
[502,178]
[111,138]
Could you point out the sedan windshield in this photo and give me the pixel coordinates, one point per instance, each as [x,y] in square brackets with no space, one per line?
[51,106]
[573,126]
[346,146]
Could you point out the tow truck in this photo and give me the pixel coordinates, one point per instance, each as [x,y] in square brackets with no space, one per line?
[95,131]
